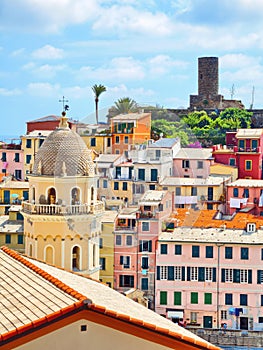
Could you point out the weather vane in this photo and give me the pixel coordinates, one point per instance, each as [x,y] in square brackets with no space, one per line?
[65,107]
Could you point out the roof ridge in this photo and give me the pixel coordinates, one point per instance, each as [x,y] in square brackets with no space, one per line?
[55,281]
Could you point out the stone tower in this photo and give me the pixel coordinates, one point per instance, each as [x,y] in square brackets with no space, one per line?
[62,215]
[207,76]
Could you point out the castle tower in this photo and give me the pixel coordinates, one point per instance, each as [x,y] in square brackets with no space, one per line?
[62,215]
[207,76]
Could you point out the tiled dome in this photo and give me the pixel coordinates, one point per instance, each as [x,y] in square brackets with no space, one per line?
[63,153]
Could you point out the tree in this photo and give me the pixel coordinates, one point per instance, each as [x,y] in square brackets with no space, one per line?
[98,90]
[234,118]
[125,105]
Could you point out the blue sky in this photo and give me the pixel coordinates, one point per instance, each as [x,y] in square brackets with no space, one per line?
[146,50]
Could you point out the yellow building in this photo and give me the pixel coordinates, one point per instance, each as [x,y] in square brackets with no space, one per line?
[107,247]
[12,229]
[31,143]
[218,169]
[62,216]
[100,143]
[13,191]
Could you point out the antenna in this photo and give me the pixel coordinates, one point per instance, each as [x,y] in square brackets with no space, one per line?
[232,91]
[253,94]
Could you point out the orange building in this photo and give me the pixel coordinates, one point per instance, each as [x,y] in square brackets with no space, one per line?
[129,129]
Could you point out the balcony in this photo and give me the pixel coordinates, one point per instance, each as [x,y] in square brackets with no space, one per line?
[54,209]
[126,229]
[248,150]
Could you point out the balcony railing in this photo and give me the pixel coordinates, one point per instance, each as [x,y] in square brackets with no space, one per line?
[54,209]
[126,228]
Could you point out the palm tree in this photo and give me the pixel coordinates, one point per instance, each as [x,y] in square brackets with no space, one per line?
[98,90]
[125,105]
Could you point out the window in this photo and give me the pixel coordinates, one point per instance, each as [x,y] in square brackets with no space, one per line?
[208,298]
[163,298]
[145,226]
[101,243]
[193,191]
[178,273]
[195,251]
[108,142]
[248,164]
[228,253]
[40,142]
[144,283]
[118,239]
[232,161]
[200,164]
[105,184]
[3,157]
[16,157]
[141,174]
[18,176]
[178,191]
[178,249]
[209,251]
[20,239]
[145,246]
[235,192]
[194,298]
[228,275]
[117,139]
[223,314]
[7,238]
[244,252]
[193,317]
[163,272]
[154,174]
[163,249]
[129,240]
[157,154]
[177,298]
[243,276]
[126,139]
[125,261]
[208,274]
[28,143]
[185,164]
[126,281]
[145,262]
[194,273]
[246,193]
[124,186]
[28,158]
[229,299]
[254,145]
[243,299]
[4,171]
[116,186]
[93,142]
[241,145]
[102,264]
[261,300]
[251,227]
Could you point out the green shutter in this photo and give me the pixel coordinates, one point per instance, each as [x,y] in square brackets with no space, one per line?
[177,298]
[194,298]
[163,298]
[208,298]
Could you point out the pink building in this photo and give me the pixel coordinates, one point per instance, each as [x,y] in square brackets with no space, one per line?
[210,273]
[136,233]
[192,162]
[246,196]
[11,161]
[244,150]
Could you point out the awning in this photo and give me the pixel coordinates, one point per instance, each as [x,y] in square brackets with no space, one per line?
[175,314]
[127,216]
[15,195]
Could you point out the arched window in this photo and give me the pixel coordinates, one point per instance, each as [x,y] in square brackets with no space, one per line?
[51,196]
[75,196]
[49,255]
[76,258]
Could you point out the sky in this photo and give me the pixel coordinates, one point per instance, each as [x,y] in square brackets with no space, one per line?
[146,50]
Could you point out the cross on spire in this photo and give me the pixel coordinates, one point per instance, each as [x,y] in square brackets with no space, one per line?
[65,107]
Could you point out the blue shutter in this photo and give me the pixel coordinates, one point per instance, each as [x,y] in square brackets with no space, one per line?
[259,272]
[158,273]
[249,276]
[121,260]
[223,277]
[201,274]
[170,273]
[183,273]
[236,275]
[214,274]
[188,273]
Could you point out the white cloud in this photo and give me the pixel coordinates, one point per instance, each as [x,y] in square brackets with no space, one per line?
[44,71]
[43,89]
[162,64]
[18,53]
[6,92]
[48,52]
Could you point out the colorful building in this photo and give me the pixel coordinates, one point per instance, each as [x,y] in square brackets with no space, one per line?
[13,191]
[129,129]
[62,215]
[243,150]
[12,160]
[50,122]
[209,272]
[107,247]
[100,143]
